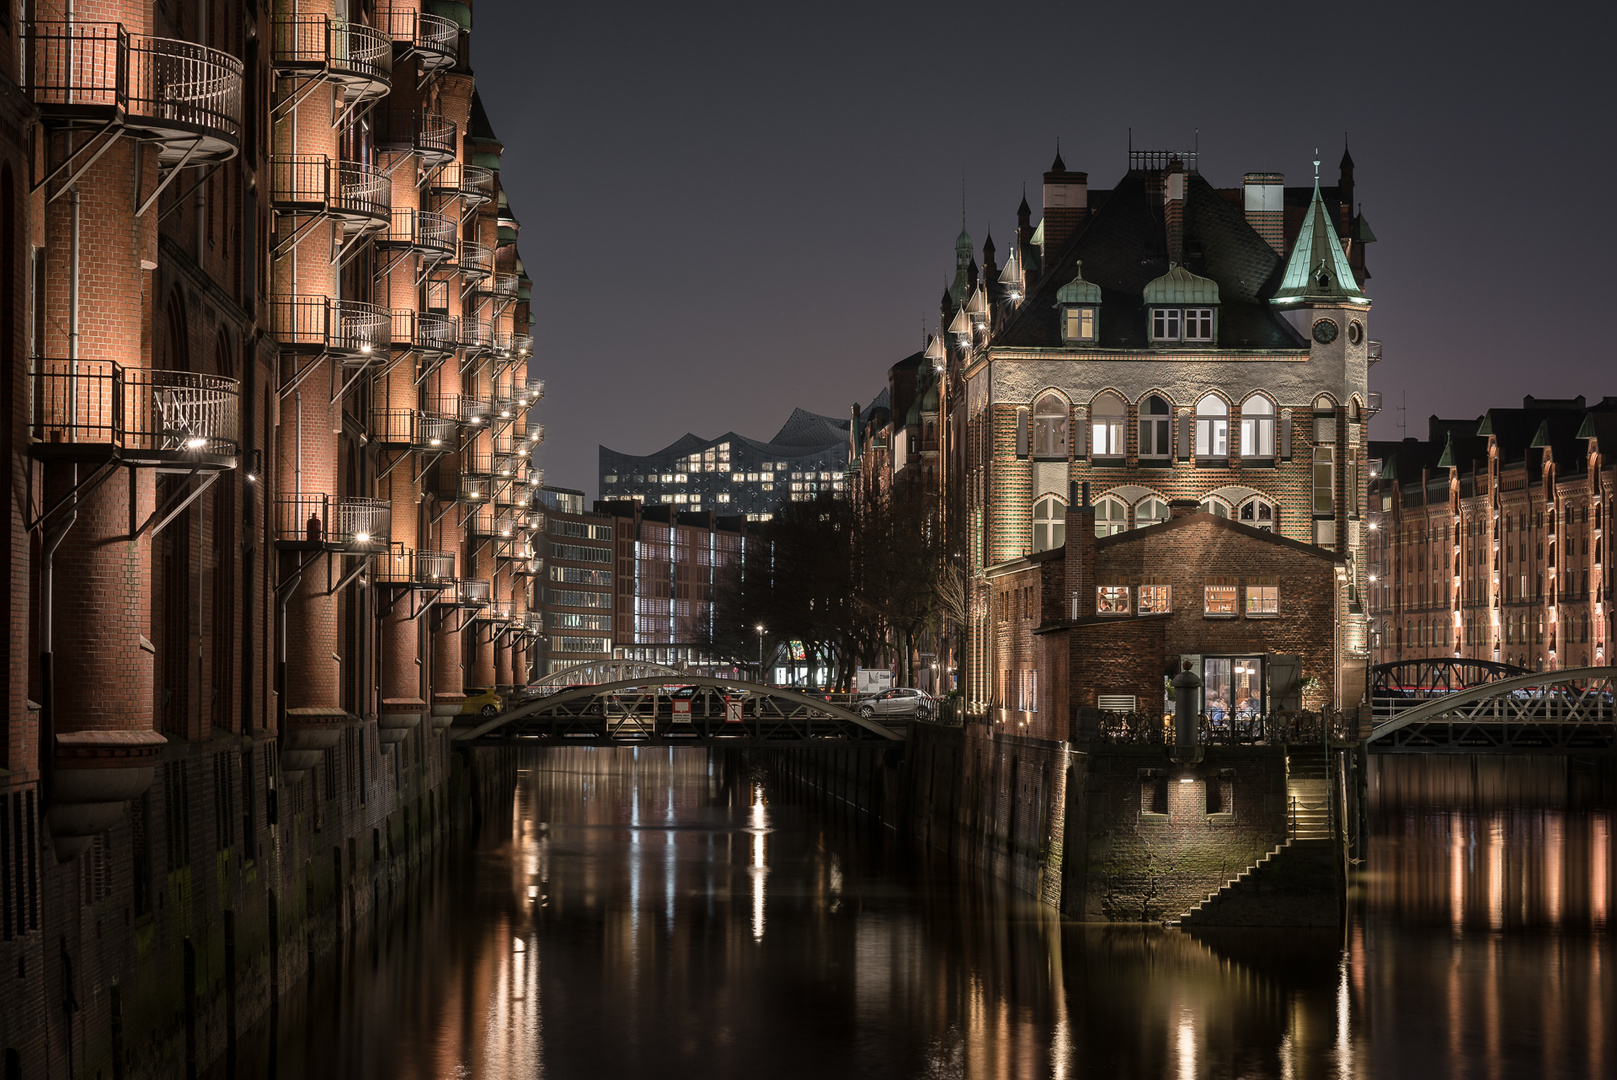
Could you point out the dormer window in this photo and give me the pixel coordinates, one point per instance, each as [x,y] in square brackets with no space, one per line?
[1193,324]
[1079,301]
[1183,308]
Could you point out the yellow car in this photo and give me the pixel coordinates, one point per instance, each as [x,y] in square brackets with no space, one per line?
[481,701]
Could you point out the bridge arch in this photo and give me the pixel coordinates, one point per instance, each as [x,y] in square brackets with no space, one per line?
[1494,715]
[604,671]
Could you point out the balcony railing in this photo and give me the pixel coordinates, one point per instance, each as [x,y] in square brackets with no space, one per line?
[502,285]
[466,409]
[314,183]
[474,464]
[476,335]
[354,55]
[347,523]
[434,39]
[143,415]
[1373,351]
[178,92]
[473,593]
[428,134]
[425,331]
[421,230]
[1374,405]
[512,467]
[355,331]
[476,261]
[434,567]
[469,183]
[480,522]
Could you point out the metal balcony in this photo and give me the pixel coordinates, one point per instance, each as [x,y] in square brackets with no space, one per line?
[1374,402]
[413,428]
[353,55]
[476,261]
[480,522]
[475,464]
[356,332]
[476,335]
[511,467]
[472,184]
[434,568]
[433,40]
[498,611]
[336,523]
[1373,351]
[174,421]
[430,135]
[183,96]
[355,193]
[512,548]
[425,232]
[473,593]
[466,409]
[424,331]
[502,285]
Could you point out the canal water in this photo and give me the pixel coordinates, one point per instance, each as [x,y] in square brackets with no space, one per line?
[645,915]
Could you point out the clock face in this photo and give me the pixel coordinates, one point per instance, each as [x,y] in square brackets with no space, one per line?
[1325,331]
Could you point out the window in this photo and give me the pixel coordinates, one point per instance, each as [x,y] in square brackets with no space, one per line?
[1108,413]
[1257,427]
[1219,599]
[1324,420]
[1199,324]
[1049,523]
[1154,600]
[1111,516]
[1232,686]
[1258,514]
[1150,512]
[1212,428]
[1080,324]
[1165,324]
[1216,507]
[1324,481]
[1156,429]
[1049,428]
[1112,599]
[1262,601]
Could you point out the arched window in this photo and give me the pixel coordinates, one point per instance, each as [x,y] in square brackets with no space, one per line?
[1258,513]
[1257,427]
[1108,425]
[1150,511]
[1050,427]
[1049,523]
[1212,428]
[1156,429]
[1111,516]
[1216,507]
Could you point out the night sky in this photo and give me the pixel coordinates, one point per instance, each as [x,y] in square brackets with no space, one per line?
[729,210]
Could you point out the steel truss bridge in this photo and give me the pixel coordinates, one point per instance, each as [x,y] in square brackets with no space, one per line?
[1540,712]
[679,710]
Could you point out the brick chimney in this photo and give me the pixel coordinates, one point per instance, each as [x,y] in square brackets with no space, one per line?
[1066,206]
[1265,199]
[1173,210]
[1179,508]
[1079,567]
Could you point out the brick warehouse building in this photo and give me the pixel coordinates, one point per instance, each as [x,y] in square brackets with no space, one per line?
[267,402]
[1163,340]
[1487,538]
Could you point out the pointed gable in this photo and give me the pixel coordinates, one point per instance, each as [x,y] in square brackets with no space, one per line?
[1318,267]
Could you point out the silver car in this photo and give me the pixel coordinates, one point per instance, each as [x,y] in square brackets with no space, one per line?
[899,701]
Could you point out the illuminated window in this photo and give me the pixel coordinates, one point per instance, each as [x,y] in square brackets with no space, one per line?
[1108,425]
[1111,516]
[1257,427]
[1112,599]
[1154,600]
[1212,428]
[1049,523]
[1150,512]
[1219,599]
[1156,429]
[1262,600]
[1079,324]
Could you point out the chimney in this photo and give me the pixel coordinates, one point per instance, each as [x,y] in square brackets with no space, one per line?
[1079,565]
[1266,207]
[1173,210]
[1179,508]
[1066,205]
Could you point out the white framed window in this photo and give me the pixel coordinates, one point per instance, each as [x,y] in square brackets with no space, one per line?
[1257,427]
[1155,600]
[1259,514]
[1156,429]
[1111,516]
[1107,411]
[1198,324]
[1079,324]
[1049,523]
[1324,480]
[1150,511]
[1212,428]
[1262,601]
[1216,507]
[1165,324]
[1218,600]
[1112,599]
[1050,427]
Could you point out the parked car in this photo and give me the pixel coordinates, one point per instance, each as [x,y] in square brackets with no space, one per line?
[481,701]
[899,701]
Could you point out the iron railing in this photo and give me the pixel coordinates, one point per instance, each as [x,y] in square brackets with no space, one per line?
[163,85]
[428,134]
[480,522]
[473,593]
[355,55]
[502,284]
[315,182]
[465,408]
[428,331]
[413,428]
[358,330]
[473,464]
[476,261]
[434,567]
[1255,730]
[457,180]
[399,565]
[355,524]
[498,611]
[475,334]
[435,39]
[421,230]
[135,410]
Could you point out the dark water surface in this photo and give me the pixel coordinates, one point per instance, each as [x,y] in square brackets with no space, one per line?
[645,916]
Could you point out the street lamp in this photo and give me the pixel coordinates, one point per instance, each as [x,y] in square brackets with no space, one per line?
[760,629]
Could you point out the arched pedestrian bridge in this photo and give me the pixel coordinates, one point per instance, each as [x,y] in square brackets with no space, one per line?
[678,710]
[1540,712]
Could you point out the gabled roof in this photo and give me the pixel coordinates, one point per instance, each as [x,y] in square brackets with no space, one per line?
[1078,291]
[809,430]
[1318,268]
[1180,286]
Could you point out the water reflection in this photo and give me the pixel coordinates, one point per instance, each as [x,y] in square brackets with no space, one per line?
[652,914]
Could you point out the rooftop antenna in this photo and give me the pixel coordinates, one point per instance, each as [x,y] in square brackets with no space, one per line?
[1403,417]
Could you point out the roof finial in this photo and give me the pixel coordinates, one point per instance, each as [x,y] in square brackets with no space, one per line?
[1316,165]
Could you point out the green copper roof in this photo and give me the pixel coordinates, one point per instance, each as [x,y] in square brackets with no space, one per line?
[453,10]
[1541,437]
[1037,239]
[1318,268]
[1587,429]
[486,158]
[1078,291]
[1446,461]
[1362,231]
[1180,286]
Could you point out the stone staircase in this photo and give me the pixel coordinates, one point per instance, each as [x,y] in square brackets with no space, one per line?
[1292,884]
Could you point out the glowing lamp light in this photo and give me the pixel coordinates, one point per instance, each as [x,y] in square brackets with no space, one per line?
[362,538]
[437,442]
[252,478]
[195,443]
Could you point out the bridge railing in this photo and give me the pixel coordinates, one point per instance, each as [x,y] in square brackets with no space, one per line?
[1259,729]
